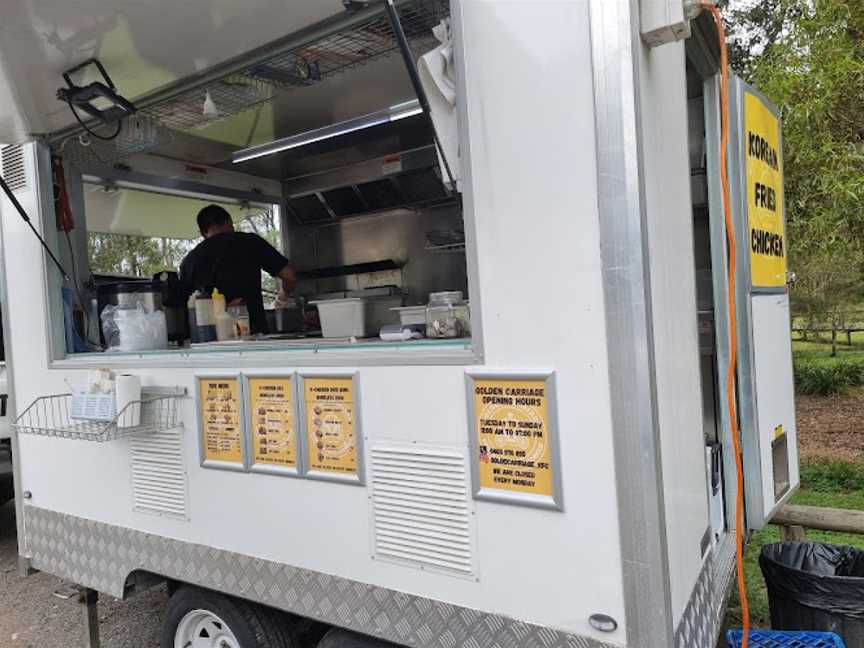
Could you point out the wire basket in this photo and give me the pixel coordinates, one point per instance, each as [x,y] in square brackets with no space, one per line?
[138,134]
[787,639]
[305,65]
[52,416]
[345,50]
[222,99]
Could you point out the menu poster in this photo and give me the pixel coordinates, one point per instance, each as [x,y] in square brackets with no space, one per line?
[512,421]
[221,423]
[271,422]
[332,436]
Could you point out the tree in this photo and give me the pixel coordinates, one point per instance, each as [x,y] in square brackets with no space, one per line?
[753,26]
[140,256]
[812,66]
[135,256]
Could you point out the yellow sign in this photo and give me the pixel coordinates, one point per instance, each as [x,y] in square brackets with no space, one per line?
[513,444]
[272,424]
[764,164]
[220,419]
[331,425]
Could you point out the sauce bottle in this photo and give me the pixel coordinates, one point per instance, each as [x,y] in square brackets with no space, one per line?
[218,303]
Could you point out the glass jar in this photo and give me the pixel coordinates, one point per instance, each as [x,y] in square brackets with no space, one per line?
[241,320]
[447,316]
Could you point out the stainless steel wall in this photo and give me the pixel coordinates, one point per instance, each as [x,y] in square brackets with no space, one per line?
[398,235]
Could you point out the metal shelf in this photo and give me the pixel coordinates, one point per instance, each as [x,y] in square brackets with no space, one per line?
[306,64]
[51,416]
[446,249]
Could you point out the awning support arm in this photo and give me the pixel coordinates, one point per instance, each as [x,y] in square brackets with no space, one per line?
[26,218]
[414,75]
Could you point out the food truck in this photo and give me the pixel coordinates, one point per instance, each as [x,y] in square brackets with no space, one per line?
[499,418]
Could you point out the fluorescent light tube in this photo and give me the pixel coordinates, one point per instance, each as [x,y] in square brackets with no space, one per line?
[392,114]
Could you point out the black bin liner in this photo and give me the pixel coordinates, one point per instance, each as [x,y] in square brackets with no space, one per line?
[813,586]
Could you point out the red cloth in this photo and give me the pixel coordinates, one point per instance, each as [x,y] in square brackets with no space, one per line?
[62,209]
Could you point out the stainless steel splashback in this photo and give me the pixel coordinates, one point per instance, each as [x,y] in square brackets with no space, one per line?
[400,236]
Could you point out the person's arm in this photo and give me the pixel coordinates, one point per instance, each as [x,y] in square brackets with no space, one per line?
[288,275]
[276,265]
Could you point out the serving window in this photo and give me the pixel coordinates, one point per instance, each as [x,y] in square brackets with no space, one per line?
[363,281]
[339,169]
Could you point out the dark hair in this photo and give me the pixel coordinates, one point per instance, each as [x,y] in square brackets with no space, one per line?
[210,216]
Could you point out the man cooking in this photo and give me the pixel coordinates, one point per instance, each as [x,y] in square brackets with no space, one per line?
[232,262]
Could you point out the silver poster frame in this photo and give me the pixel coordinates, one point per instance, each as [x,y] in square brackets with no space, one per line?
[202,453]
[249,427]
[357,479]
[554,502]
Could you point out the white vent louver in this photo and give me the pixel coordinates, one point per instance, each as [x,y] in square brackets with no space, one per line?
[158,473]
[421,508]
[12,166]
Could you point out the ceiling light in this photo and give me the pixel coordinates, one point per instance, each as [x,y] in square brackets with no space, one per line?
[97,99]
[392,114]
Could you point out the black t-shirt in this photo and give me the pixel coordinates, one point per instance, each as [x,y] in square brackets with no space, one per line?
[232,262]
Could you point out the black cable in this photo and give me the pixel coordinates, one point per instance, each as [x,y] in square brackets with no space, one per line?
[92,133]
[26,218]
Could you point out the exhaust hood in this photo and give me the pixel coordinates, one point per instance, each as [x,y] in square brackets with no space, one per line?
[407,179]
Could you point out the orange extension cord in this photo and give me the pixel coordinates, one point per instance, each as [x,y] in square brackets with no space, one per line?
[733,330]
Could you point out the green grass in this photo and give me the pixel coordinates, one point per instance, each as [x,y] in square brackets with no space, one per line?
[816,372]
[834,485]
[835,479]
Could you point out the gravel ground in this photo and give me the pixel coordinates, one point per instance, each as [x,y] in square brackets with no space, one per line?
[31,617]
[830,427]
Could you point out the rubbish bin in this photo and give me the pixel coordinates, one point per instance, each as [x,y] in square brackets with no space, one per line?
[814,586]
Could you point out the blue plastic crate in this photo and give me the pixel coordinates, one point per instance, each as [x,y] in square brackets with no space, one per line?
[777,639]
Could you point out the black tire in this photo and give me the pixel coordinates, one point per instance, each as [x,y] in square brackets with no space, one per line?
[255,626]
[7,491]
[339,638]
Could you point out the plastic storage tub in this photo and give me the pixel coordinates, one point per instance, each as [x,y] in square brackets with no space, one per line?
[342,317]
[411,315]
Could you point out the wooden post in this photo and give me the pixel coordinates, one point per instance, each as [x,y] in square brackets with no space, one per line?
[792,533]
[849,337]
[89,599]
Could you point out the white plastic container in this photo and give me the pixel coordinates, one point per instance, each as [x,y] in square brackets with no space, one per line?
[411,315]
[342,317]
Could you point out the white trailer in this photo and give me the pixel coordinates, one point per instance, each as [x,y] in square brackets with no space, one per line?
[562,477]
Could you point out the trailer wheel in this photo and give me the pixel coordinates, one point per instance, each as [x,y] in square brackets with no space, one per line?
[339,638]
[199,618]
